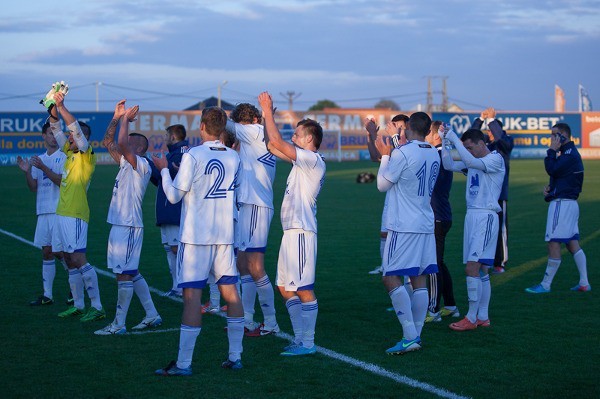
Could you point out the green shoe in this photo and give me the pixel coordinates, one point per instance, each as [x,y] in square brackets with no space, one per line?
[94,314]
[71,312]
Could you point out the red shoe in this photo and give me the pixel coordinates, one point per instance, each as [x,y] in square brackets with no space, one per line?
[463,325]
[483,323]
[253,330]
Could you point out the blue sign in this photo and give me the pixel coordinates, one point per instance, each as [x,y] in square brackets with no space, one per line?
[531,131]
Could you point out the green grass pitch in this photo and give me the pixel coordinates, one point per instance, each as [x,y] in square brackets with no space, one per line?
[538,346]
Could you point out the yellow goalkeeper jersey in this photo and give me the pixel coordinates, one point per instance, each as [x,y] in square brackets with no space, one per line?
[76,177]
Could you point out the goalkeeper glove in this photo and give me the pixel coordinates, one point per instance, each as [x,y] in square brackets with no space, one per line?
[48,101]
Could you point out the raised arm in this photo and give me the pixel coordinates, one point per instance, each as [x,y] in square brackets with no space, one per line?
[385,150]
[56,129]
[447,161]
[123,142]
[71,122]
[276,142]
[173,194]
[109,135]
[468,159]
[372,130]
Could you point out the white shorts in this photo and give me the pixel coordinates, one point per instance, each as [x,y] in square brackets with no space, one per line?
[70,234]
[562,224]
[480,236]
[124,249]
[44,230]
[297,260]
[196,262]
[409,254]
[169,234]
[253,227]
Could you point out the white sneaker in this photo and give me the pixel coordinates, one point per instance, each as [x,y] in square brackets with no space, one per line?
[111,329]
[266,330]
[377,270]
[148,322]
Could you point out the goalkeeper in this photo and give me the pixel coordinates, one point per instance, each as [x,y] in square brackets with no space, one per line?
[73,212]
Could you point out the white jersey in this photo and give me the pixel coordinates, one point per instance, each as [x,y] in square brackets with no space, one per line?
[207,174]
[413,168]
[258,165]
[484,187]
[299,207]
[47,193]
[130,186]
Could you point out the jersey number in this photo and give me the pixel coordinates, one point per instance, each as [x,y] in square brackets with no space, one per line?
[427,181]
[216,191]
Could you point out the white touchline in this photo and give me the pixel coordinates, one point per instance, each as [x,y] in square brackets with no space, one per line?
[370,367]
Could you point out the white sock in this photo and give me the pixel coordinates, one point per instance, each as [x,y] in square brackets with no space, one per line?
[294,307]
[235,334]
[310,310]
[140,286]
[473,294]
[172,262]
[484,300]
[76,284]
[266,298]
[248,297]
[419,302]
[187,342]
[215,295]
[402,307]
[48,273]
[124,295]
[90,279]
[551,269]
[408,286]
[581,263]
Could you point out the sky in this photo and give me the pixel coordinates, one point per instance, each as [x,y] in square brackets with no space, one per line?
[168,55]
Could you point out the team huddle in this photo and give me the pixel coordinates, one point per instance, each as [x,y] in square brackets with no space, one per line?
[214,208]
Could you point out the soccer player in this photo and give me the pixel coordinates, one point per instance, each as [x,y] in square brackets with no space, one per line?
[485,174]
[73,212]
[409,174]
[298,252]
[503,144]
[167,214]
[395,129]
[125,216]
[255,202]
[207,183]
[43,175]
[440,283]
[565,168]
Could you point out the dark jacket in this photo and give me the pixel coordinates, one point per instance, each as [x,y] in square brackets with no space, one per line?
[565,171]
[167,213]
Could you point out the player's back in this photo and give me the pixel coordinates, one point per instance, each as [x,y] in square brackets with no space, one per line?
[208,173]
[128,193]
[258,166]
[414,168]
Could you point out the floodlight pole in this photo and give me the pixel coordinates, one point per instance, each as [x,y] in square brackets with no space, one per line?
[219,93]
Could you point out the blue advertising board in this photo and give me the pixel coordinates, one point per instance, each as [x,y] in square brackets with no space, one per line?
[531,131]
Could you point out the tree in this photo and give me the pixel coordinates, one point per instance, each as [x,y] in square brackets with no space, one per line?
[322,104]
[387,104]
